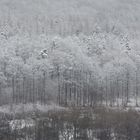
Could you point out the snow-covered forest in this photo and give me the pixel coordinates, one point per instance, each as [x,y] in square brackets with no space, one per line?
[70,53]
[78,69]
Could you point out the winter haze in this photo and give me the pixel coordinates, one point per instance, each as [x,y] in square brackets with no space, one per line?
[69,69]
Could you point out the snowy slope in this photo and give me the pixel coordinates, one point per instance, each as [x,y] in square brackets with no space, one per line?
[70,15]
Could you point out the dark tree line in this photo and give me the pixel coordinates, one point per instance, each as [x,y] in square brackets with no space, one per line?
[69,87]
[72,124]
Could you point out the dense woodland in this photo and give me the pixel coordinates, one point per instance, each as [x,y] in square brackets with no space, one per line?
[82,57]
[87,57]
[75,70]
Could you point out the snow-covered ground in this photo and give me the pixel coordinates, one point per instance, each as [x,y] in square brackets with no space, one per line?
[20,108]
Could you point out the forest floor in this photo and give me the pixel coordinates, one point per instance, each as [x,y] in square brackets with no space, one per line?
[30,107]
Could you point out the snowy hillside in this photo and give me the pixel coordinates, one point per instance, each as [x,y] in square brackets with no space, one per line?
[71,52]
[66,17]
[69,69]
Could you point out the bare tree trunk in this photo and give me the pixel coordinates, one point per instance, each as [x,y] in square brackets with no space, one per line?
[44,87]
[24,101]
[122,93]
[81,87]
[33,89]
[106,92]
[111,93]
[0,93]
[118,92]
[13,90]
[17,91]
[58,97]
[137,89]
[70,87]
[127,88]
[66,92]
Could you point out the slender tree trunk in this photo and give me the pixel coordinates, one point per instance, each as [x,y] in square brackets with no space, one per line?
[58,97]
[13,90]
[44,87]
[33,96]
[70,87]
[127,88]
[0,93]
[137,89]
[122,93]
[106,92]
[24,90]
[118,91]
